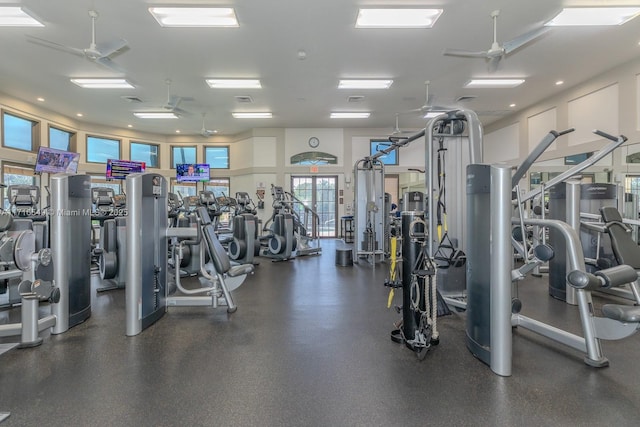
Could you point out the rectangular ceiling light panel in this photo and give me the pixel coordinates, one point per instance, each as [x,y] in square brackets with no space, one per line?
[493,83]
[234,83]
[155,115]
[365,84]
[575,16]
[195,16]
[397,18]
[103,83]
[252,115]
[354,115]
[15,16]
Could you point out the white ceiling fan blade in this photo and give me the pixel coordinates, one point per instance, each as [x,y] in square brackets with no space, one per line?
[108,63]
[523,39]
[464,53]
[111,48]
[493,63]
[57,46]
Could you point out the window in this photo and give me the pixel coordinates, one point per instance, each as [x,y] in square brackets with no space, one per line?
[219,186]
[217,157]
[182,154]
[147,153]
[183,189]
[97,181]
[15,174]
[314,158]
[19,133]
[99,150]
[61,139]
[377,145]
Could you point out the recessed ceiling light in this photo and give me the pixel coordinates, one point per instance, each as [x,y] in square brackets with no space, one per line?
[573,16]
[354,115]
[41,99]
[102,83]
[397,18]
[155,115]
[512,105]
[195,16]
[79,114]
[493,83]
[432,114]
[365,84]
[129,126]
[559,82]
[234,83]
[252,115]
[177,130]
[14,16]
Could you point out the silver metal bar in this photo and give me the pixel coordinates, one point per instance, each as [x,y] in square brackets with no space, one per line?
[59,223]
[133,290]
[453,302]
[574,341]
[533,156]
[580,167]
[500,305]
[573,219]
[575,259]
[190,301]
[10,274]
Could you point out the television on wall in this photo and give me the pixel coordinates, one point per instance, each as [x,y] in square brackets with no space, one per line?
[192,172]
[119,169]
[51,160]
[390,158]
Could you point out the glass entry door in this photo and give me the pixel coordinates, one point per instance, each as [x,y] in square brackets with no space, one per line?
[319,193]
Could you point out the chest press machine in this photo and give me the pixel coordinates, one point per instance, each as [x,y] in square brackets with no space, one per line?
[147,293]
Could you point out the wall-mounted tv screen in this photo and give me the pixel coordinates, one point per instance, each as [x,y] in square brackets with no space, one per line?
[51,160]
[390,158]
[192,172]
[119,169]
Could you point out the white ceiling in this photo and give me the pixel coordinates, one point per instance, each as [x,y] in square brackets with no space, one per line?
[301,93]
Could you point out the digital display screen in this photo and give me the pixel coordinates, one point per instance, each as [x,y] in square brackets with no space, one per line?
[192,172]
[119,169]
[51,160]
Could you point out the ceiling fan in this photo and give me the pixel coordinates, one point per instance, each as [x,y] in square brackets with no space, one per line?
[427,107]
[204,131]
[100,53]
[497,51]
[397,132]
[171,106]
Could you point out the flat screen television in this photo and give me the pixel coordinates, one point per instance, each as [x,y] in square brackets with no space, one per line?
[51,160]
[192,172]
[119,169]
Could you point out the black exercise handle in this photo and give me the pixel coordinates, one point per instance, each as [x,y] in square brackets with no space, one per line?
[608,278]
[564,132]
[583,280]
[608,136]
[617,276]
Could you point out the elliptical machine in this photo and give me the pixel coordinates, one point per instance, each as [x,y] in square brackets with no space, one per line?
[242,248]
[280,242]
[112,243]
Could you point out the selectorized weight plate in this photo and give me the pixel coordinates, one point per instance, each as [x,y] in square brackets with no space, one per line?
[23,248]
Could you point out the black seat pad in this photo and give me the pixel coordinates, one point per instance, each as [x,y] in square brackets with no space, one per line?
[622,313]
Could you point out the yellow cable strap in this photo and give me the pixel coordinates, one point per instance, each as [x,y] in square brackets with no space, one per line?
[390,300]
[392,268]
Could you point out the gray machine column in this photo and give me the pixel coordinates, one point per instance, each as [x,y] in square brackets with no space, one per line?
[146,276]
[71,248]
[479,261]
